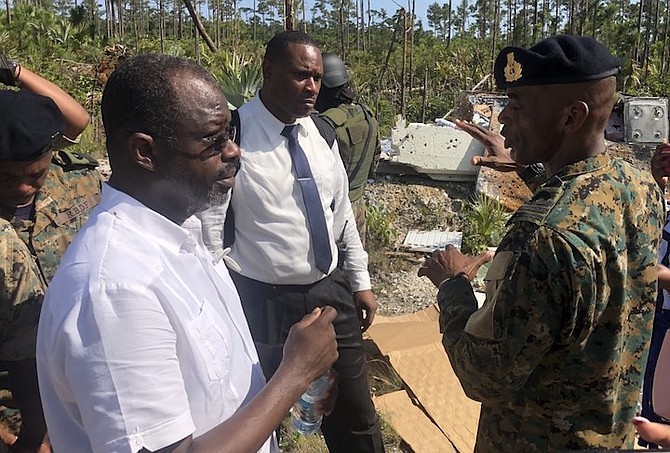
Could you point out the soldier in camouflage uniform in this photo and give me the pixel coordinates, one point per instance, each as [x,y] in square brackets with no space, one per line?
[357,132]
[556,353]
[45,196]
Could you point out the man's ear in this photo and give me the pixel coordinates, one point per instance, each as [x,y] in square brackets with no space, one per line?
[142,149]
[577,113]
[267,68]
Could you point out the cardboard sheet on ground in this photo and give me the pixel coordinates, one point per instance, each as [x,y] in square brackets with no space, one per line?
[413,346]
[412,424]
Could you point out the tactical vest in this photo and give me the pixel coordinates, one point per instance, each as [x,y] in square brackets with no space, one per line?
[357,132]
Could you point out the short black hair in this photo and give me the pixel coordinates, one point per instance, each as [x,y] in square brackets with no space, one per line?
[276,48]
[140,96]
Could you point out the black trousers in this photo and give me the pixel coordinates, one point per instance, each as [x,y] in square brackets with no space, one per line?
[26,394]
[271,310]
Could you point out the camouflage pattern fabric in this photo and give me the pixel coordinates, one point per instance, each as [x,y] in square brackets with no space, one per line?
[556,354]
[31,250]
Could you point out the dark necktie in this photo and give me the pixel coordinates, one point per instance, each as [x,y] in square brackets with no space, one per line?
[310,196]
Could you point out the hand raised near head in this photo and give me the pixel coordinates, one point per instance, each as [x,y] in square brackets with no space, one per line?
[660,164]
[448,263]
[310,348]
[498,156]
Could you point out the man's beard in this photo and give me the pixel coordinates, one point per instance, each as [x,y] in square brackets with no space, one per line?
[216,197]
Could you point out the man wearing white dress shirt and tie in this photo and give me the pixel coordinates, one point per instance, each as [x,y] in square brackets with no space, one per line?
[142,342]
[291,209]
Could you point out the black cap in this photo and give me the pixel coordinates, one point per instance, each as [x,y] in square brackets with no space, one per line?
[29,125]
[555,60]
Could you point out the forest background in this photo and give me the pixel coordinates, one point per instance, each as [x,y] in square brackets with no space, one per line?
[398,64]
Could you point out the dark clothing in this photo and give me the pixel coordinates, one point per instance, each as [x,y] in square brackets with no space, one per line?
[358,140]
[271,310]
[26,395]
[661,326]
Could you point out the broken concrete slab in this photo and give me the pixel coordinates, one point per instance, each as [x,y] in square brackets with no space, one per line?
[440,152]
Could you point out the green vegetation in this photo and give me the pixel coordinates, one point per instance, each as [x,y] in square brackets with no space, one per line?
[483,224]
[291,441]
[398,64]
[380,231]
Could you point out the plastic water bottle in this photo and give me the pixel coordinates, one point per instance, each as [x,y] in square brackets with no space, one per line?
[305,418]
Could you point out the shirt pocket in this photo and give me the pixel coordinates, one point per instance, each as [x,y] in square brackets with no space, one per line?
[211,340]
[481,322]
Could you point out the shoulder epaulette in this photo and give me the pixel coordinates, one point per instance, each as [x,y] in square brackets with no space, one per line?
[336,115]
[72,160]
[326,129]
[538,208]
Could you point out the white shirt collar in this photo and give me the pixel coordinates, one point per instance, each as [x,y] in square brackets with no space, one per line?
[158,227]
[272,126]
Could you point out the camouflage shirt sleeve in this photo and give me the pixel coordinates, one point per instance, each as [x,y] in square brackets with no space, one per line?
[22,295]
[537,289]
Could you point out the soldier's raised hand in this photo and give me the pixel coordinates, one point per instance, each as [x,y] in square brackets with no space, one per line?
[498,157]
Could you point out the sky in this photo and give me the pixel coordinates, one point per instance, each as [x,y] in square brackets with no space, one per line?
[391,6]
[420,7]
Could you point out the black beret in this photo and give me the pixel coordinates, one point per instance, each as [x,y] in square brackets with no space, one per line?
[29,125]
[558,59]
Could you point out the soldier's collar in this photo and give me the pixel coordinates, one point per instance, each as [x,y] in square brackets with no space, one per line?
[588,165]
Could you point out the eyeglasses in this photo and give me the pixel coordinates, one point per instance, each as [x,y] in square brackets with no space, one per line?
[218,144]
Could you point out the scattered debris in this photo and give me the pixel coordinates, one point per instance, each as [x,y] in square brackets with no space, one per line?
[441,153]
[427,241]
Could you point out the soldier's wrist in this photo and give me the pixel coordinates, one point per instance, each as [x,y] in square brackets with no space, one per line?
[458,276]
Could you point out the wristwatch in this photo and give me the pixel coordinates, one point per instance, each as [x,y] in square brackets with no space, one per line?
[533,172]
[8,75]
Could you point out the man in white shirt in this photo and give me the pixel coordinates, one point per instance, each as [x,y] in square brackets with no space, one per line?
[142,341]
[282,269]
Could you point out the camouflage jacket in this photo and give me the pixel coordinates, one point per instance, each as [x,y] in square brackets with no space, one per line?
[31,250]
[556,353]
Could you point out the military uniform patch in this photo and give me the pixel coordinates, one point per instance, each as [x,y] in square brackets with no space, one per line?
[30,250]
[538,208]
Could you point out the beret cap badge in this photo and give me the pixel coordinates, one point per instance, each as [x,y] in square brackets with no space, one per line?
[512,69]
[555,60]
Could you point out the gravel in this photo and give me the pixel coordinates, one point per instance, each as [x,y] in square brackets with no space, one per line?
[415,204]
